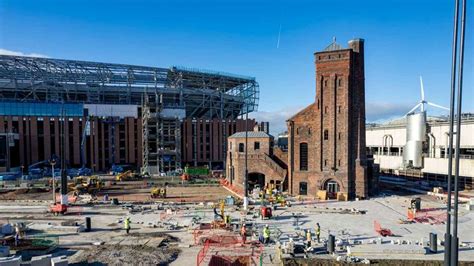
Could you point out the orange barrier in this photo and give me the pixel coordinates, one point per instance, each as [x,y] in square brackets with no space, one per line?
[428,216]
[382,231]
[225,183]
[226,251]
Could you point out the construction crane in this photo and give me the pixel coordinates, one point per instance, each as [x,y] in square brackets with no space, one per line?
[85,132]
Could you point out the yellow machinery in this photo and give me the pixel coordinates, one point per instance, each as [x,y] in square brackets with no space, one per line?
[157,192]
[127,175]
[87,184]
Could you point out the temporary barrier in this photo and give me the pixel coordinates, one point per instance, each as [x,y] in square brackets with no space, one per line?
[382,231]
[207,232]
[225,183]
[428,216]
[224,253]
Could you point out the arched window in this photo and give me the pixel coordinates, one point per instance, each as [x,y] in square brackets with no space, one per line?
[326,134]
[303,156]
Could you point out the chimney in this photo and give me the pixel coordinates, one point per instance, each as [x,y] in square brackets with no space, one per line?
[357,45]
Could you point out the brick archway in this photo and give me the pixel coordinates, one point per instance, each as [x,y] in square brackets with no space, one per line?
[256,178]
[324,181]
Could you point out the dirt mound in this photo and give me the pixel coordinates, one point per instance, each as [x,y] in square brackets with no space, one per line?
[29,190]
[130,255]
[26,194]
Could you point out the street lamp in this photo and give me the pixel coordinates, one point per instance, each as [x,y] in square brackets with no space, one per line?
[52,162]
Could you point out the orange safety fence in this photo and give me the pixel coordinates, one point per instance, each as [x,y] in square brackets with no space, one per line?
[429,216]
[382,231]
[210,232]
[228,251]
[225,183]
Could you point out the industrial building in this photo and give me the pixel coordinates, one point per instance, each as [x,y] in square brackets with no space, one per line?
[388,144]
[157,119]
[324,149]
[326,140]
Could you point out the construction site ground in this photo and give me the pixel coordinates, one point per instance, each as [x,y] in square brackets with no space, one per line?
[162,230]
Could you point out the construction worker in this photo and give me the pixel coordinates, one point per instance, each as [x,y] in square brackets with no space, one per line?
[222,207]
[266,234]
[308,238]
[227,220]
[318,231]
[269,191]
[243,233]
[126,224]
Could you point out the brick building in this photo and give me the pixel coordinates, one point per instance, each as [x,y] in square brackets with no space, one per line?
[109,140]
[326,140]
[264,167]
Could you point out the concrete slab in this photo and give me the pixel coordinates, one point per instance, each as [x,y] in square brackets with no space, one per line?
[59,261]
[44,260]
[10,261]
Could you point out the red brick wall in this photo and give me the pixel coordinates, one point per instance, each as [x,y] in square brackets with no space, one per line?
[339,110]
[98,146]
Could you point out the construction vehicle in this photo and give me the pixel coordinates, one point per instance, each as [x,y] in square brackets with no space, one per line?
[265,212]
[87,184]
[128,176]
[58,208]
[158,192]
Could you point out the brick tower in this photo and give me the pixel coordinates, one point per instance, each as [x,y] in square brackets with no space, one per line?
[327,139]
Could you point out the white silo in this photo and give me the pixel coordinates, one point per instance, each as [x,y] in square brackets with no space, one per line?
[416,135]
[416,132]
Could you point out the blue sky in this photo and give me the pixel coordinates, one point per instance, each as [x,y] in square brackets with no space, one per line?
[404,39]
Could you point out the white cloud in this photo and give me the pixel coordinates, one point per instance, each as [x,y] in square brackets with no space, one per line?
[375,112]
[383,111]
[15,53]
[276,118]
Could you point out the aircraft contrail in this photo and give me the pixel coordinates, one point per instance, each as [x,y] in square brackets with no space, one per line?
[279,33]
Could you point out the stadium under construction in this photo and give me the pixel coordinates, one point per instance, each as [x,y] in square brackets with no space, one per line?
[154,119]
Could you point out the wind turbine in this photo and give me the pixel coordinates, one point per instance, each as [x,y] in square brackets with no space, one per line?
[422,102]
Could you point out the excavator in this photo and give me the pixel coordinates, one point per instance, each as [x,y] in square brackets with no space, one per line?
[126,176]
[87,184]
[158,192]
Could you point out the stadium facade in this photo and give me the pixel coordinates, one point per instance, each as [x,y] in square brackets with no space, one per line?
[158,119]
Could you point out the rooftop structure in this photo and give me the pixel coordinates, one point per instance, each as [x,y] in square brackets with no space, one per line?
[32,79]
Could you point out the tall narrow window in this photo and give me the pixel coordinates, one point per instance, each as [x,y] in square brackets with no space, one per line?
[338,109]
[303,156]
[241,147]
[338,162]
[256,145]
[339,82]
[325,83]
[303,188]
[325,162]
[339,136]
[326,134]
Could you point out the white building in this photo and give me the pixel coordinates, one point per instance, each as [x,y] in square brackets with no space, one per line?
[386,143]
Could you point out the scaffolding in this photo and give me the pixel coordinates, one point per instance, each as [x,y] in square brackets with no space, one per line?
[205,94]
[166,96]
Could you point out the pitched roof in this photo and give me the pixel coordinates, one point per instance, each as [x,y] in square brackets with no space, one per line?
[251,134]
